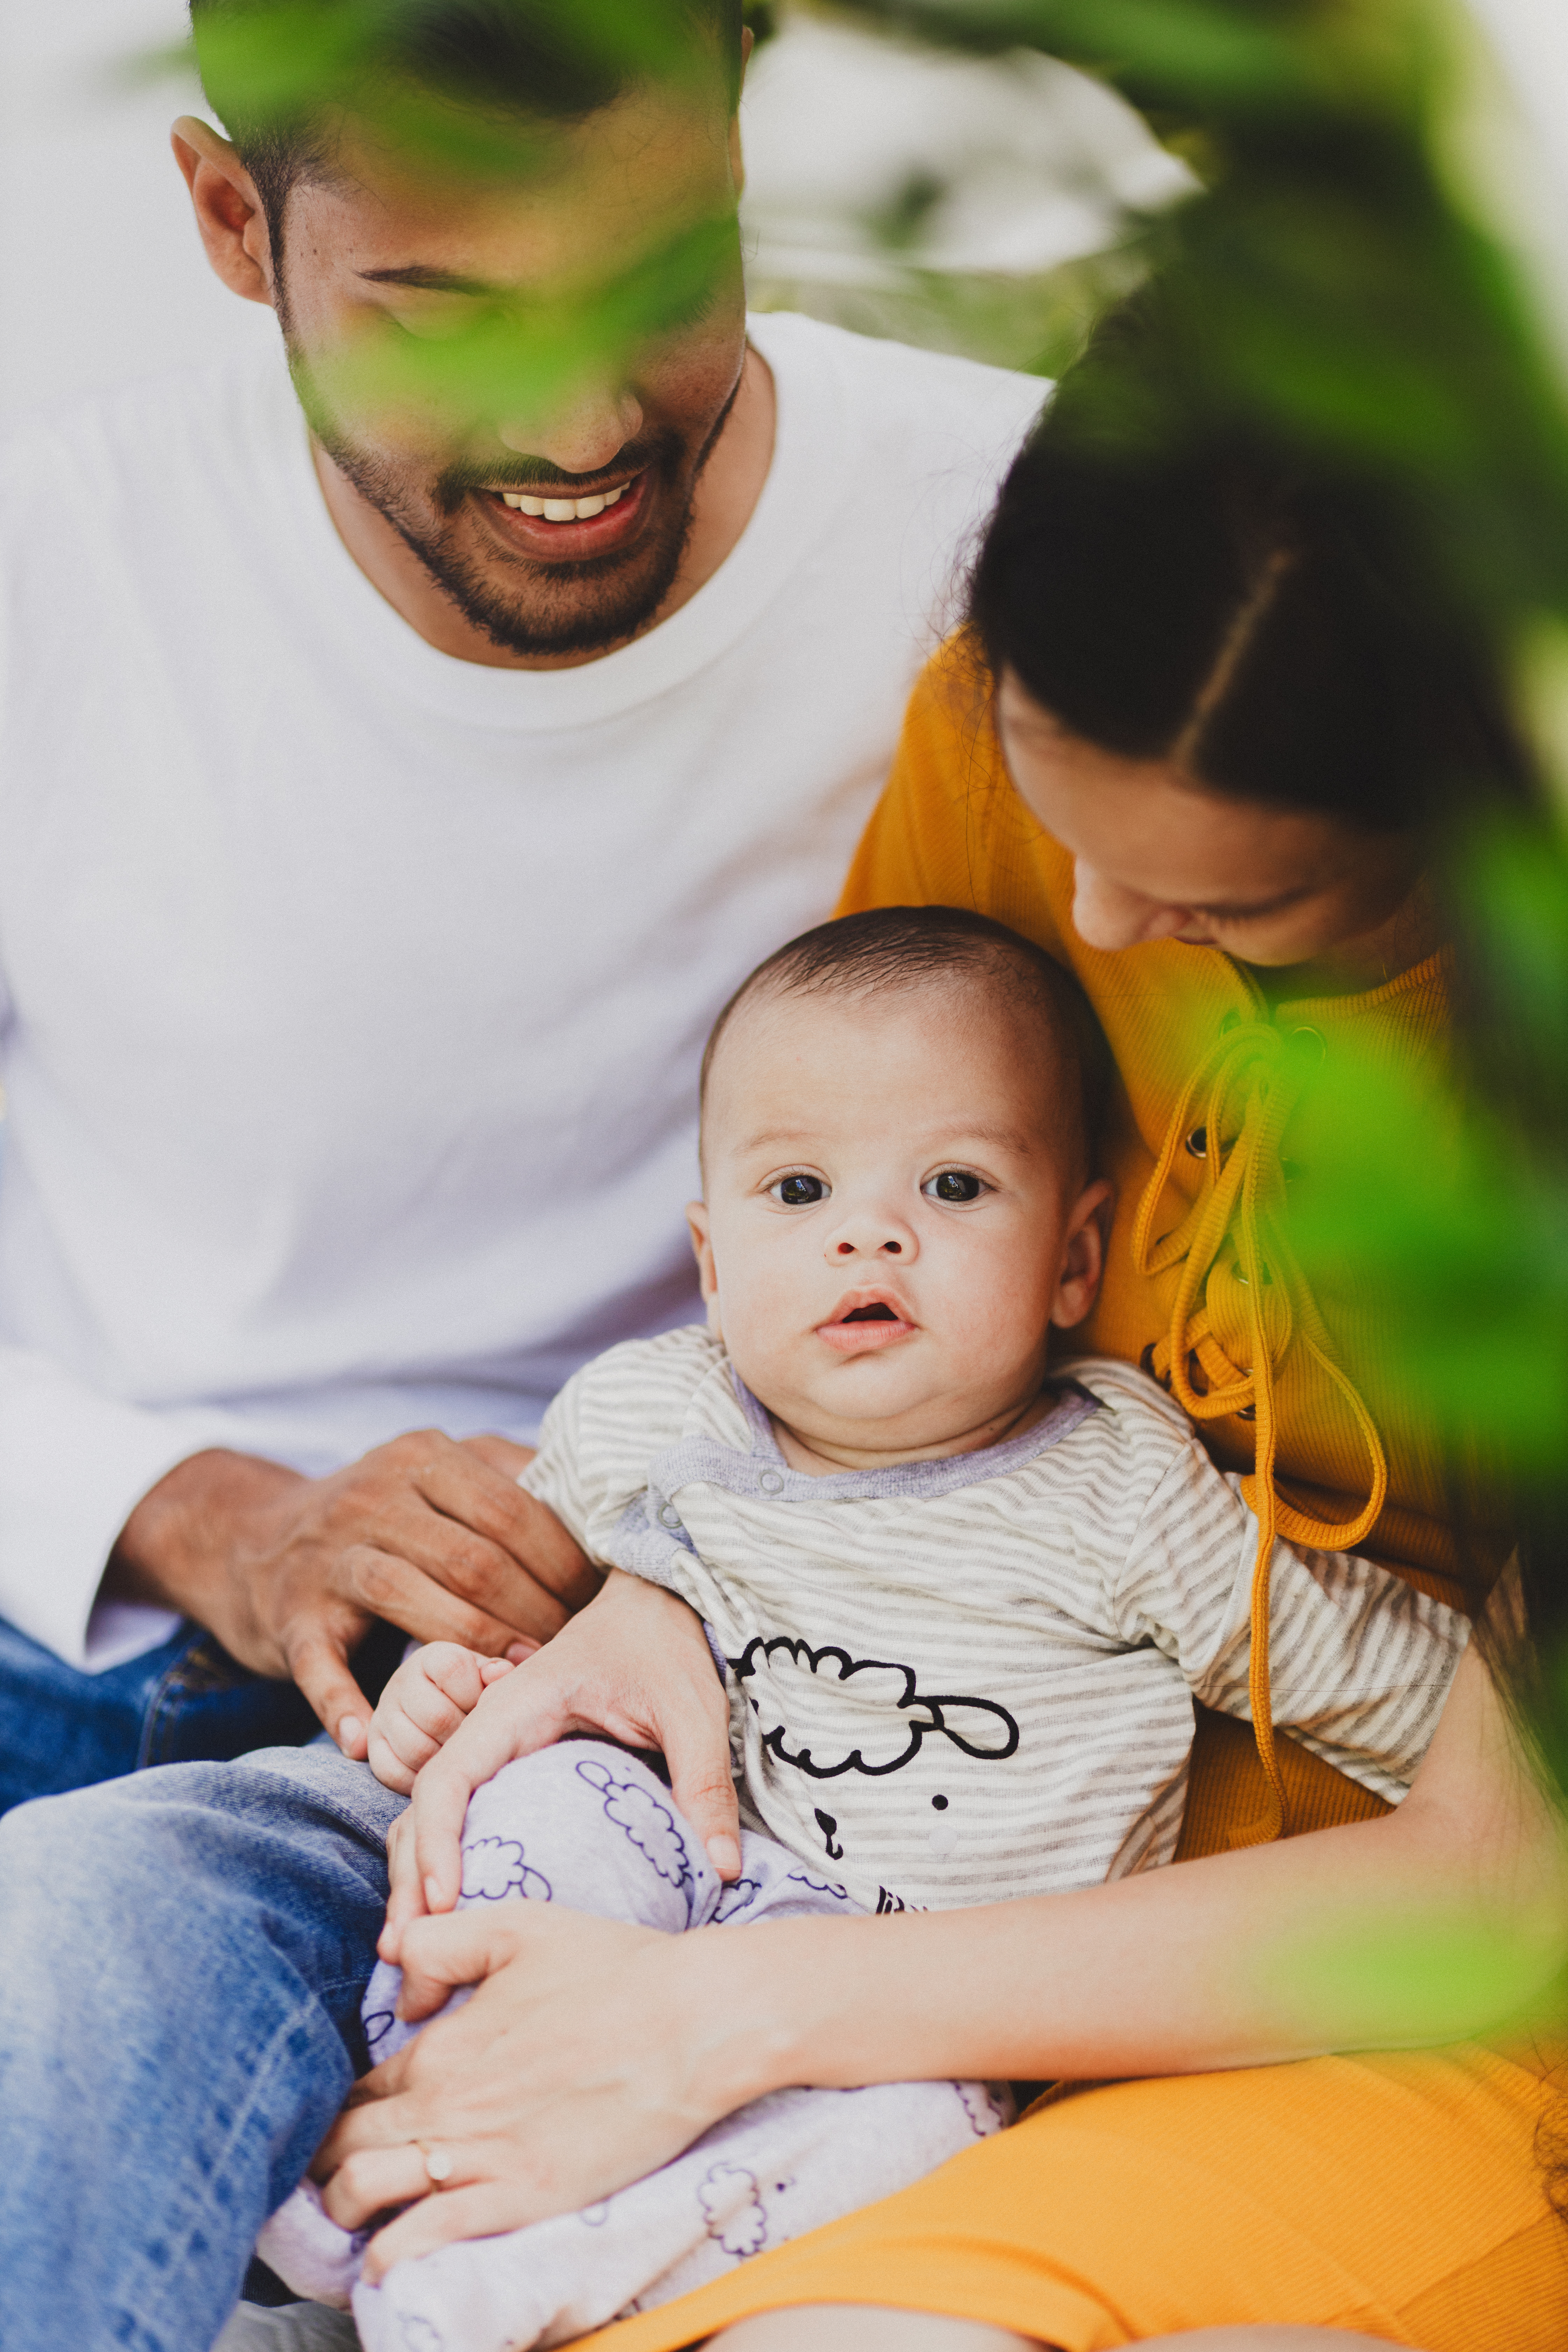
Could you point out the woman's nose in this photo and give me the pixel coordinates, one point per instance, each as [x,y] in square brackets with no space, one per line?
[1107,915]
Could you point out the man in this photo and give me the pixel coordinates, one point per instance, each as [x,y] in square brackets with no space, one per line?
[388,810]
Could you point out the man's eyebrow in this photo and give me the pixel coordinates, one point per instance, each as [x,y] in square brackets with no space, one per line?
[429,281]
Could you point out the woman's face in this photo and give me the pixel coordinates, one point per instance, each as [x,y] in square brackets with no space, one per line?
[1159,858]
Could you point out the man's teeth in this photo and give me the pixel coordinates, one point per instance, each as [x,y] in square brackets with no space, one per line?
[563,510]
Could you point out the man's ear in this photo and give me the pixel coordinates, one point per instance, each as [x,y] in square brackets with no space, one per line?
[700,1230]
[229,217]
[1083,1254]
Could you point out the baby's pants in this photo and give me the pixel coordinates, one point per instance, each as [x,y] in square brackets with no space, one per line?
[590,1826]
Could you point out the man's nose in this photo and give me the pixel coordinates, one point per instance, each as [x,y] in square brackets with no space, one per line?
[585,436]
[872,1234]
[1105,915]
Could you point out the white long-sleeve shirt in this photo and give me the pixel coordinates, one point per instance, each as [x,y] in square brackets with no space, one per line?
[350,995]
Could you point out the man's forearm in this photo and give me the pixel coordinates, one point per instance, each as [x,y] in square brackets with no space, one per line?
[176,1548]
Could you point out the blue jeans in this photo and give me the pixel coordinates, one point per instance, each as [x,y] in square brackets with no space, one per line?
[183,1956]
[185,1701]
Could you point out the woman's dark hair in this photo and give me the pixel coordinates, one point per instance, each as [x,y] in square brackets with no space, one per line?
[1168,585]
[1260,619]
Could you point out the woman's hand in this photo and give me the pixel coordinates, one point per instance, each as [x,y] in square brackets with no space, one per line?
[636,1665]
[593,2051]
[547,2091]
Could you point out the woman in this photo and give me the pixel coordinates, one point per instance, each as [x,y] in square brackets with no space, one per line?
[1195,743]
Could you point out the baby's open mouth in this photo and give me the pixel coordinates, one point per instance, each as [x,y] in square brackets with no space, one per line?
[866,1324]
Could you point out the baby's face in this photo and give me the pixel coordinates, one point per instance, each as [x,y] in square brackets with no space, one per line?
[893,1220]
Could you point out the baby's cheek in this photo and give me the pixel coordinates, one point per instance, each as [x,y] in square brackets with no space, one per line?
[764,1308]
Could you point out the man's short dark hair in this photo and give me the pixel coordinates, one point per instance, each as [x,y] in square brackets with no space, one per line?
[559,60]
[890,949]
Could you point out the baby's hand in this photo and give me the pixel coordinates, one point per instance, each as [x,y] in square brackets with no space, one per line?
[423,1704]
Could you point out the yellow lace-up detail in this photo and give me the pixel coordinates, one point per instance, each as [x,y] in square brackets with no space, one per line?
[1245,1087]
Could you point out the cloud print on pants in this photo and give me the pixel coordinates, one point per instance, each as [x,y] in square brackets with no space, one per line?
[649,1825]
[493,1869]
[732,2209]
[797,1693]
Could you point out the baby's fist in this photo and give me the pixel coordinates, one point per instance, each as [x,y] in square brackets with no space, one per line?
[423,1704]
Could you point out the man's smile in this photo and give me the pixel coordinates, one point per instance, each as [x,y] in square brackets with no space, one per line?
[551,522]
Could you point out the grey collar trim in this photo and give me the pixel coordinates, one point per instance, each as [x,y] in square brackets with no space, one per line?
[763,1471]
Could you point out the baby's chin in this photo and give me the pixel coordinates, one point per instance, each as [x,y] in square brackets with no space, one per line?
[874,1407]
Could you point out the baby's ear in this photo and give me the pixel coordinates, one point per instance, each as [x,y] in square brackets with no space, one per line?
[698,1225]
[1083,1259]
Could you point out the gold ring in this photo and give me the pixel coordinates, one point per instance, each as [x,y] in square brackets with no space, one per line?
[438,2164]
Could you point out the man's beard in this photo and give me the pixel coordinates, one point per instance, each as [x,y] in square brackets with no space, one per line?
[599,601]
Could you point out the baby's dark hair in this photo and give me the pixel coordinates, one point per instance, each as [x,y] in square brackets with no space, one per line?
[890,949]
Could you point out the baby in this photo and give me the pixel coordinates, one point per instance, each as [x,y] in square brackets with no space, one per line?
[963,1596]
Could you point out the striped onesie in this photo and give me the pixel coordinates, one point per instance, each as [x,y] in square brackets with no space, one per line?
[950,1683]
[964,1680]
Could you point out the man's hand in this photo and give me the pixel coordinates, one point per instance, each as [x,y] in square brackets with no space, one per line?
[635,1665]
[546,2090]
[432,1534]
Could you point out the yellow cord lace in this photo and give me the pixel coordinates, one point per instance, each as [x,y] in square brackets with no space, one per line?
[1246,1086]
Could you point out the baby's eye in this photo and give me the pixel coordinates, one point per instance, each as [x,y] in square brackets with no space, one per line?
[798,1192]
[953,1184]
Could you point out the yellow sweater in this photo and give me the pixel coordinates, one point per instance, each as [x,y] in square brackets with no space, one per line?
[1202,1289]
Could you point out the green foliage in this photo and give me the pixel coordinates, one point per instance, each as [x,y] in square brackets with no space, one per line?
[1436,1977]
[1335,290]
[1332,292]
[505,356]
[276,63]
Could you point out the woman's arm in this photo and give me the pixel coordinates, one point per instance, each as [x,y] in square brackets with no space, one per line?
[1244,1959]
[593,2051]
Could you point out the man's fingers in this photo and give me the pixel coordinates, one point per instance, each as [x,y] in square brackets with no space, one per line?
[502,1453]
[317,1659]
[392,1585]
[481,1576]
[458,1481]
